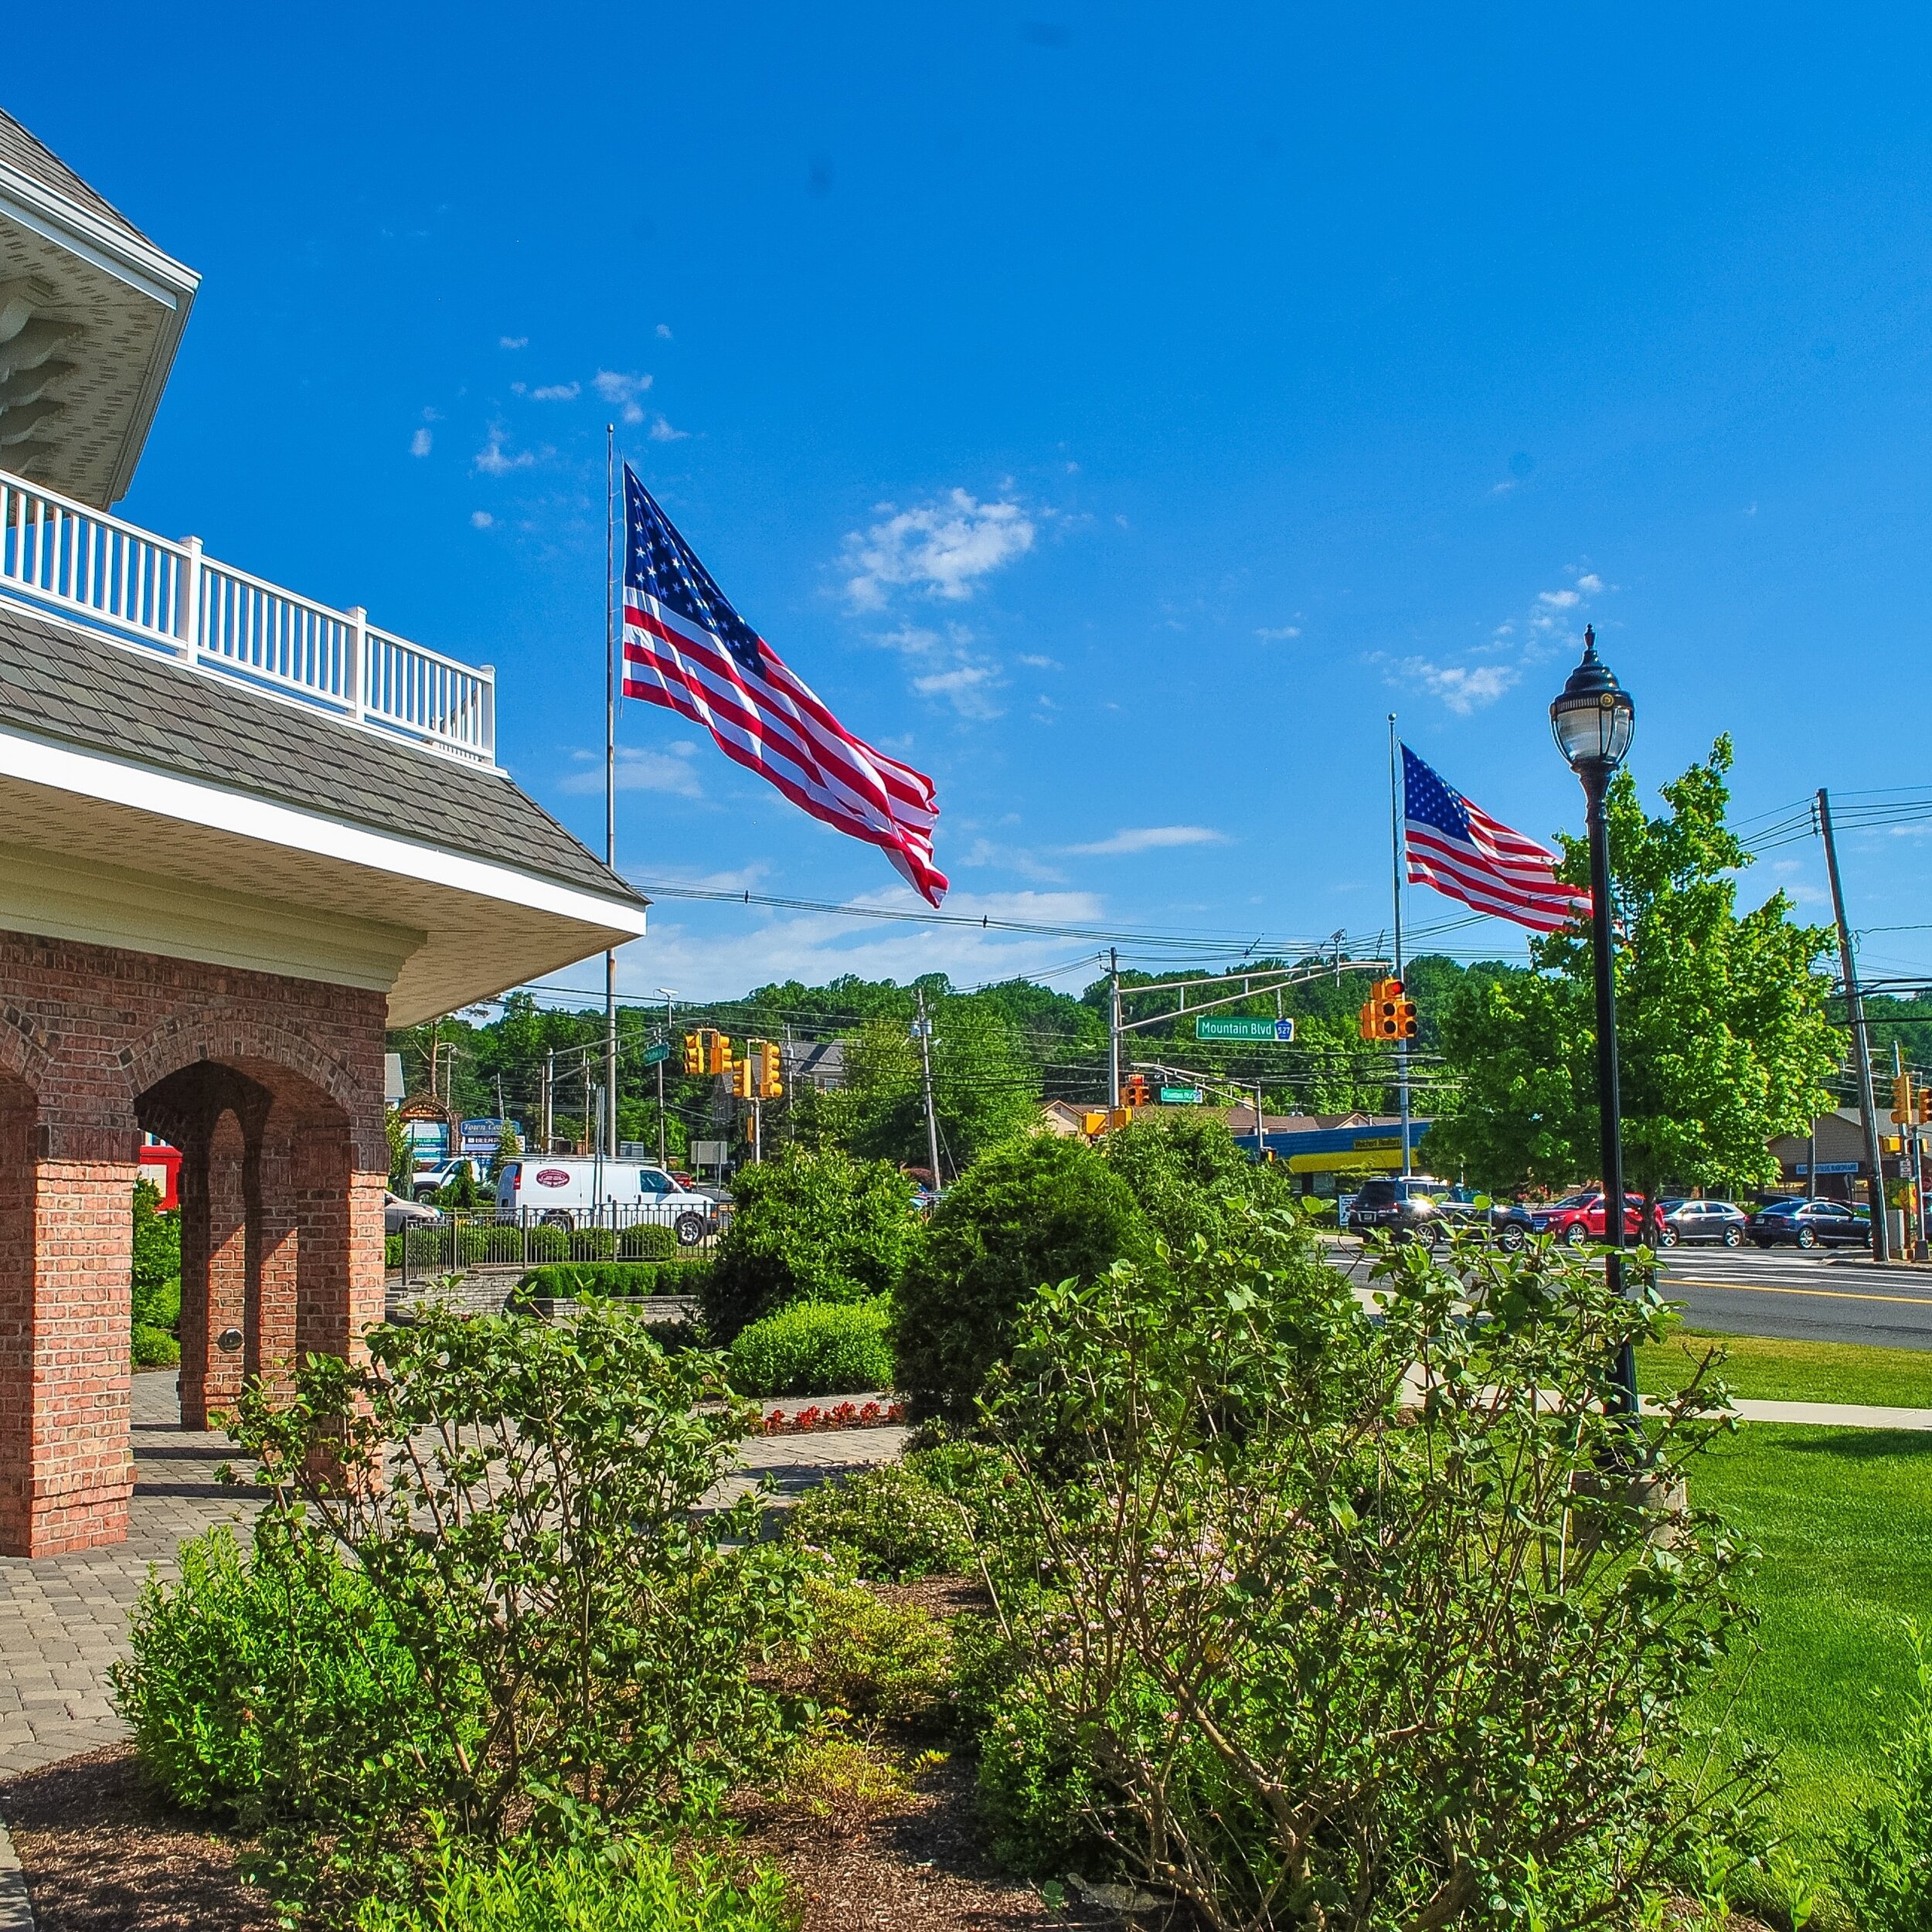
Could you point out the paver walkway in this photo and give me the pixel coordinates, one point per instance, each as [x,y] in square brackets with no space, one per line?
[63,1619]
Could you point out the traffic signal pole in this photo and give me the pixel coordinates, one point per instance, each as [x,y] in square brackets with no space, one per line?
[1395,855]
[1861,1044]
[926,1076]
[1113,1031]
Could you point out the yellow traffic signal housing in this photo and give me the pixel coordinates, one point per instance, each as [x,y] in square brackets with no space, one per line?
[1366,1020]
[741,1078]
[1120,1116]
[1902,1096]
[1405,1019]
[1925,1105]
[1134,1090]
[694,1052]
[717,1053]
[1094,1122]
[771,1083]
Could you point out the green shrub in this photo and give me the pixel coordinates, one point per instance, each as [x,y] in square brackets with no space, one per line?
[1184,1168]
[883,1524]
[256,1685]
[809,1227]
[155,1348]
[566,1282]
[628,1885]
[391,1251]
[1042,1210]
[155,1297]
[646,1242]
[616,1654]
[877,1659]
[1886,1857]
[812,1349]
[1295,1645]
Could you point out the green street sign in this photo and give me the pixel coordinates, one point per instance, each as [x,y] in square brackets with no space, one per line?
[1180,1096]
[1208,1027]
[652,1054]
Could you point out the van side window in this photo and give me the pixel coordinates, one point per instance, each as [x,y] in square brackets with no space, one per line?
[651,1181]
[512,1173]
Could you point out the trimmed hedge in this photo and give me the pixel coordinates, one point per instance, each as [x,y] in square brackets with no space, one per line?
[564,1282]
[812,1349]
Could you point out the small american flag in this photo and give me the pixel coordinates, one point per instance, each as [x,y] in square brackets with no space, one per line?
[1459,849]
[685,647]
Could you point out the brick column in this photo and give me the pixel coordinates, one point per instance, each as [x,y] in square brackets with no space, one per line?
[274,1279]
[341,1267]
[215,1271]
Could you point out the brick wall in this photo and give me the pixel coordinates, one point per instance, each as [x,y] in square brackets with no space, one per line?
[273,1089]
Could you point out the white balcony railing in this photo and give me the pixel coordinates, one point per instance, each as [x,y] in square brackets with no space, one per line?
[143,589]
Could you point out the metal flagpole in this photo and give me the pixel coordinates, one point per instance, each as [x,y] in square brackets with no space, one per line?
[1395,858]
[610,775]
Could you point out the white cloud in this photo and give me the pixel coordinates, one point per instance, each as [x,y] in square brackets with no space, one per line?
[557,392]
[1013,858]
[968,688]
[664,331]
[480,519]
[711,953]
[1136,838]
[1558,599]
[513,341]
[667,770]
[942,548]
[662,432]
[1589,584]
[622,391]
[420,443]
[1276,633]
[493,460]
[1043,663]
[1463,687]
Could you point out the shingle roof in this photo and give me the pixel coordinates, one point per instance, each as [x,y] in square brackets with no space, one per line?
[19,150]
[59,682]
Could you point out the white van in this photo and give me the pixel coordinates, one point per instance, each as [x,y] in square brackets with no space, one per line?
[568,1191]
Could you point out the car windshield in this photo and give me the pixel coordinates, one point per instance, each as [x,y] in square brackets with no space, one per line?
[1781,1207]
[1575,1201]
[1671,1204]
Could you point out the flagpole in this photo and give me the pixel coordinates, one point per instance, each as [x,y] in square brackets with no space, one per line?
[1395,858]
[610,779]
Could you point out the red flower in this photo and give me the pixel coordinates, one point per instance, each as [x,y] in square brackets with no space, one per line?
[896,1413]
[775,1422]
[807,1418]
[871,1412]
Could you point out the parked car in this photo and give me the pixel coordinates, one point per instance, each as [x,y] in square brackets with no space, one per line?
[1687,1220]
[561,1191]
[432,1180]
[1409,1207]
[1513,1224]
[1578,1217]
[399,1214]
[1810,1224]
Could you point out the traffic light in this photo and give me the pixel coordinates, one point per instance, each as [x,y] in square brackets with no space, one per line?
[694,1052]
[1093,1122]
[1134,1090]
[741,1078]
[1902,1096]
[771,1083]
[1366,1020]
[717,1053]
[1388,1013]
[1404,1018]
[1925,1106]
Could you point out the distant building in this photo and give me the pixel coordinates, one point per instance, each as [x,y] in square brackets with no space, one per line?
[814,1066]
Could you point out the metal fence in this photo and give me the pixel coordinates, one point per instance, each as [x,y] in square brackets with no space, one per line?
[530,1237]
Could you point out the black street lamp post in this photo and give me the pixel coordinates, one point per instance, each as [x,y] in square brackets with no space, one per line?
[1593,720]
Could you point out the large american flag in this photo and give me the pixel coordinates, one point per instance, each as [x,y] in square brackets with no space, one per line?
[1459,849]
[684,647]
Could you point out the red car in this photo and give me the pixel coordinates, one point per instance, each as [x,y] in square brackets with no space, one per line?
[1578,1217]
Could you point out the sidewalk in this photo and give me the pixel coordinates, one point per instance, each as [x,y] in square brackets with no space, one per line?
[1824,1415]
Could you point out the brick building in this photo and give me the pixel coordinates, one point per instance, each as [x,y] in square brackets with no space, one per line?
[241,834]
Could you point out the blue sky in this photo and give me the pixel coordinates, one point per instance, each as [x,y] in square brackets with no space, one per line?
[1115,411]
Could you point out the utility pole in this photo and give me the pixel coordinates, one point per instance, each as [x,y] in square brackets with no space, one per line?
[550,1094]
[1861,1044]
[499,1096]
[669,996]
[925,1075]
[1113,1031]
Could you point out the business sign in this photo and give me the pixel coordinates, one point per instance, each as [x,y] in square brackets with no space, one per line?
[1826,1167]
[1180,1096]
[553,1177]
[480,1136]
[1210,1026]
[1364,1161]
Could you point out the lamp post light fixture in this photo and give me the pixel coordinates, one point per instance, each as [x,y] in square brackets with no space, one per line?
[1593,720]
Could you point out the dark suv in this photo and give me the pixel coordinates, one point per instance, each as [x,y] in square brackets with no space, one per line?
[1413,1207]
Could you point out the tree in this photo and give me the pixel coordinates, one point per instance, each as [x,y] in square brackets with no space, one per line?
[1722,1032]
[1032,1213]
[809,1227]
[1183,1168]
[510,1147]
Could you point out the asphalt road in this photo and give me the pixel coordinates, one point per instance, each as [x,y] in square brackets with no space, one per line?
[1813,1298]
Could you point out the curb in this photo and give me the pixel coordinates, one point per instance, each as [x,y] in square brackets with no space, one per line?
[16,1903]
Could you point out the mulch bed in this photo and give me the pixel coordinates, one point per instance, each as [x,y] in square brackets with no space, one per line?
[103,1854]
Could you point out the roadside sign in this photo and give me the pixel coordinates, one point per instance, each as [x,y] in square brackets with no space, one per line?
[1180,1096]
[653,1055]
[1209,1026]
[1828,1167]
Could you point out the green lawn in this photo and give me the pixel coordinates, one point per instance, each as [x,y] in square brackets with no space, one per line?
[1766,1370]
[1844,1518]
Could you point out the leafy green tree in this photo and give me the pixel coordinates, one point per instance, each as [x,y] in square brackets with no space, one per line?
[156,1296]
[510,1147]
[1722,1033]
[1037,1211]
[1184,1168]
[401,1155]
[810,1226]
